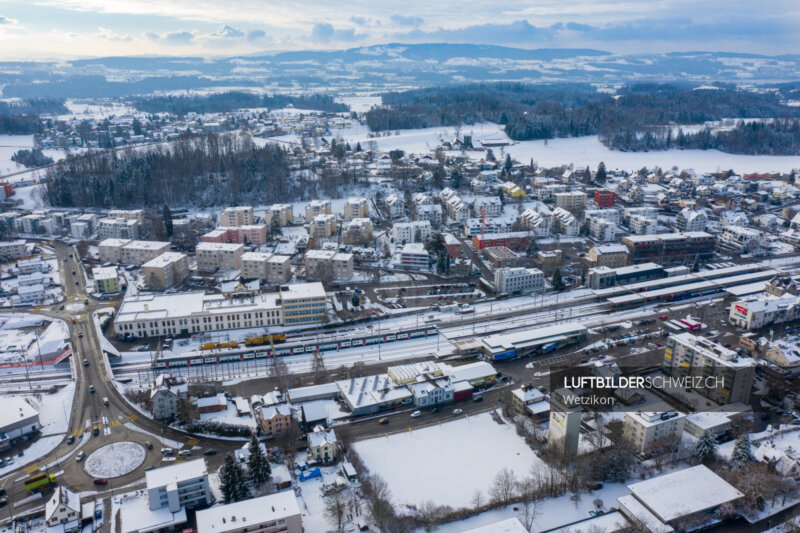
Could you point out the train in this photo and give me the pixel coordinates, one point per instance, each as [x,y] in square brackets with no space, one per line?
[324,345]
[218,345]
[275,338]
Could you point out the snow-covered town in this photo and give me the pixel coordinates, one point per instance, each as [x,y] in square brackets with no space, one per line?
[448,288]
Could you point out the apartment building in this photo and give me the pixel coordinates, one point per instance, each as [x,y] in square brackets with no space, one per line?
[738,239]
[317,207]
[303,303]
[321,264]
[537,222]
[731,376]
[642,225]
[237,216]
[608,255]
[395,206]
[110,250]
[604,198]
[571,201]
[670,247]
[491,206]
[601,229]
[272,268]
[118,228]
[274,513]
[106,279]
[518,280]
[430,212]
[130,214]
[322,226]
[414,255]
[252,234]
[180,485]
[212,256]
[355,208]
[140,252]
[12,250]
[357,231]
[166,270]
[650,432]
[565,223]
[611,215]
[690,220]
[416,231]
[282,213]
[476,226]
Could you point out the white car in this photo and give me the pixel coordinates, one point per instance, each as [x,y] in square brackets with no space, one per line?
[457,411]
[416,414]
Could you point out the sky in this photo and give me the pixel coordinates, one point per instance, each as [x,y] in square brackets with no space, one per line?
[61,29]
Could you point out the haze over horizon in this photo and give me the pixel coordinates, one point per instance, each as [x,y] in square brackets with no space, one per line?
[53,29]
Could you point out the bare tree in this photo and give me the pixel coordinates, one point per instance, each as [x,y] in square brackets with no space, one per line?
[504,486]
[528,514]
[336,503]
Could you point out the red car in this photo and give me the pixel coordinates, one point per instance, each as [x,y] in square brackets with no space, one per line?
[101,481]
[663,317]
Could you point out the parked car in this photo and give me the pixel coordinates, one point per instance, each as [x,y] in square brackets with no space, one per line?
[416,414]
[80,456]
[457,411]
[71,439]
[100,481]
[9,461]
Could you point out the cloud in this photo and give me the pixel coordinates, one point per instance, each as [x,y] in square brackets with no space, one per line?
[111,35]
[174,38]
[518,32]
[325,33]
[255,35]
[228,32]
[402,20]
[6,20]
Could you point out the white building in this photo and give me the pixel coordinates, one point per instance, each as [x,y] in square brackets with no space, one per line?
[605,214]
[690,220]
[573,200]
[178,485]
[395,206]
[414,255]
[12,250]
[601,229]
[355,208]
[416,231]
[118,228]
[764,310]
[537,222]
[237,216]
[518,280]
[17,419]
[218,255]
[646,431]
[430,212]
[642,225]
[430,391]
[63,509]
[491,206]
[565,222]
[274,513]
[738,239]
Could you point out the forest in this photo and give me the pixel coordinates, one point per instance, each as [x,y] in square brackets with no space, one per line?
[628,120]
[231,101]
[201,171]
[22,117]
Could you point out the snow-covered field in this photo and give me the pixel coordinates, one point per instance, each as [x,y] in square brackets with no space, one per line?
[456,460]
[115,459]
[54,410]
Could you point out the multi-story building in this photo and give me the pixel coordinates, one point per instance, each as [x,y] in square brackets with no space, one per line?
[416,231]
[571,201]
[321,264]
[212,256]
[430,212]
[110,250]
[12,250]
[647,212]
[652,432]
[642,225]
[130,214]
[274,419]
[690,220]
[764,310]
[395,206]
[608,255]
[602,276]
[518,280]
[63,511]
[274,513]
[738,239]
[414,255]
[476,226]
[355,208]
[537,222]
[515,240]
[611,215]
[140,252]
[237,216]
[670,247]
[604,198]
[180,485]
[17,419]
[322,226]
[528,400]
[726,377]
[106,279]
[316,208]
[491,206]
[304,303]
[282,213]
[322,444]
[166,394]
[602,230]
[275,269]
[166,270]
[118,228]
[565,223]
[357,231]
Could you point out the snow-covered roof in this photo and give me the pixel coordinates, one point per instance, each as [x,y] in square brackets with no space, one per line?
[684,492]
[272,411]
[706,420]
[175,473]
[136,515]
[211,401]
[300,394]
[320,437]
[99,273]
[15,409]
[509,525]
[62,495]
[241,515]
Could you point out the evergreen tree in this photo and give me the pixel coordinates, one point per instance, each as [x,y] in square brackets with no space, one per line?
[232,481]
[490,155]
[275,230]
[258,470]
[742,451]
[558,283]
[358,147]
[696,264]
[168,226]
[501,194]
[600,176]
[508,164]
[455,178]
[706,449]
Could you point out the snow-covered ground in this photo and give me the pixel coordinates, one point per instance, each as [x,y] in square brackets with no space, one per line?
[230,416]
[54,409]
[448,463]
[115,459]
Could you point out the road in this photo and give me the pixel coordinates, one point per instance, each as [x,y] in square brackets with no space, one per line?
[115,422]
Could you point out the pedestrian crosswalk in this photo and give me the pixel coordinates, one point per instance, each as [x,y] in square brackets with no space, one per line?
[192,442]
[31,469]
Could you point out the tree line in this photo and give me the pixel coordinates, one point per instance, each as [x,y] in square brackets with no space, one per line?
[21,117]
[231,101]
[204,170]
[624,120]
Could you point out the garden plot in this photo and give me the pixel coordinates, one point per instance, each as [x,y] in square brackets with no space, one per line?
[456,460]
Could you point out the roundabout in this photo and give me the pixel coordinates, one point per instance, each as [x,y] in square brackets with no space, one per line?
[115,459]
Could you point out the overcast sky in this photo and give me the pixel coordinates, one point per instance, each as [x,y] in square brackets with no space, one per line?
[39,29]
